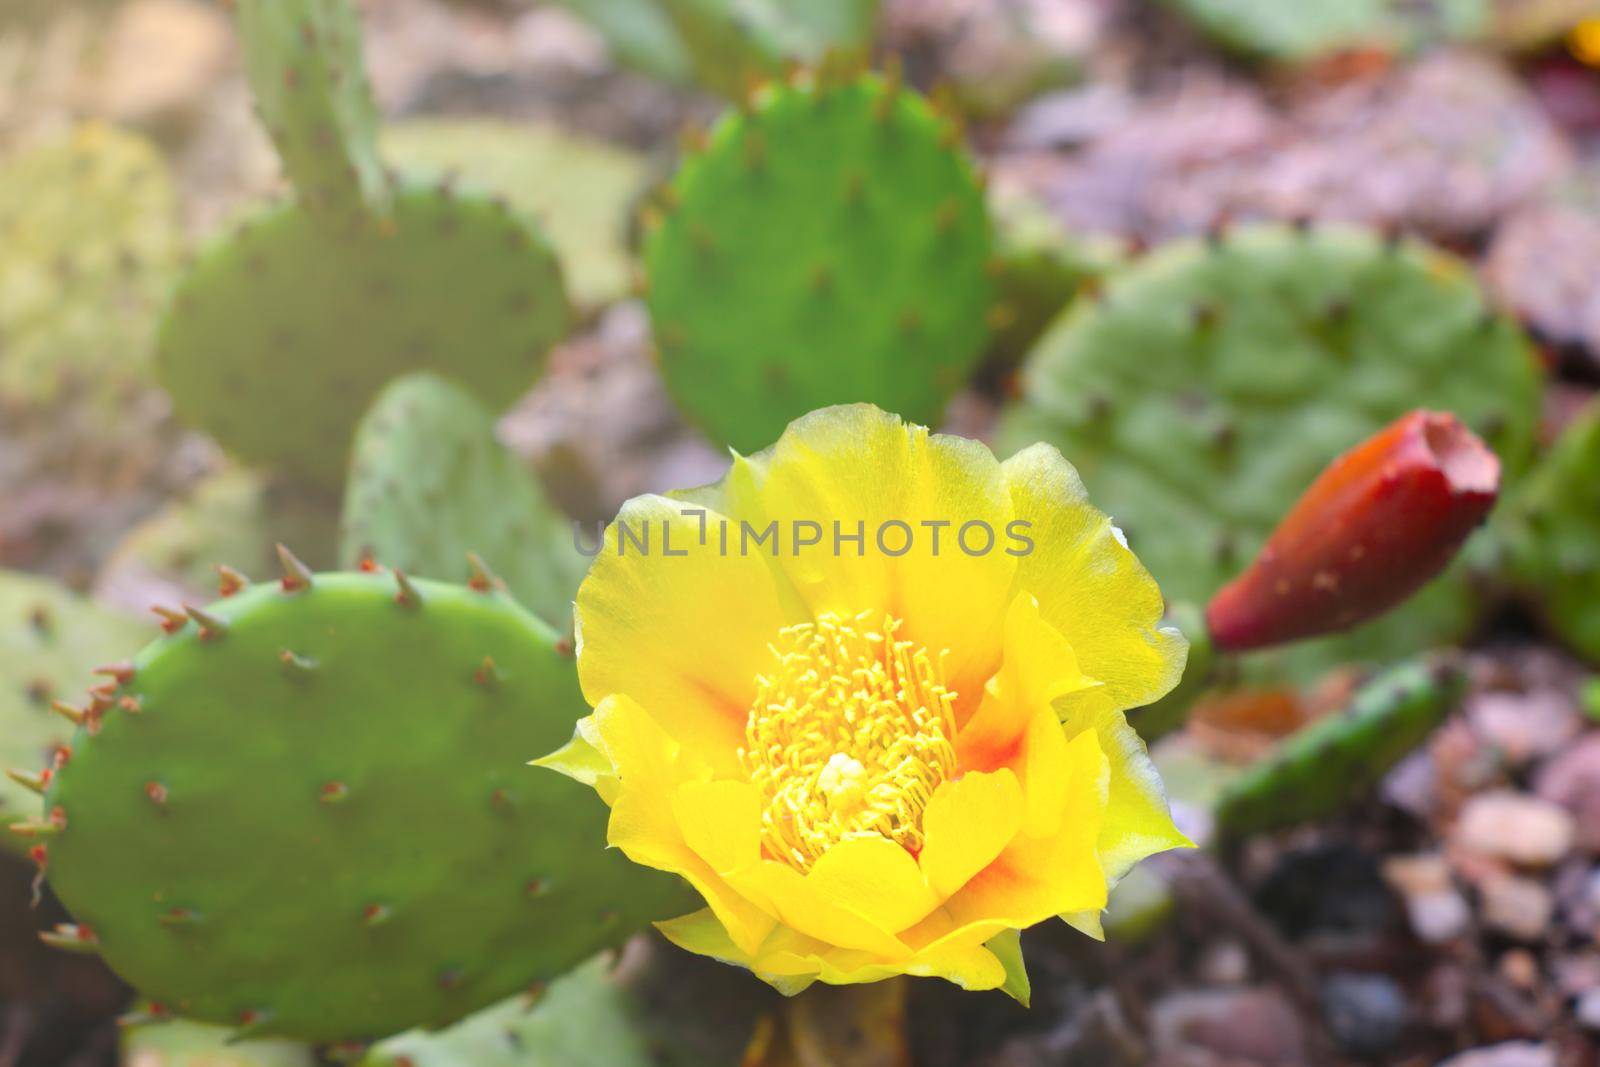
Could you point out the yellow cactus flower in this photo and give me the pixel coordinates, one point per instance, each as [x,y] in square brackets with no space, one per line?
[866,695]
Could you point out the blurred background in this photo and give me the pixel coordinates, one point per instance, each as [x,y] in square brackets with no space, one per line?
[1396,931]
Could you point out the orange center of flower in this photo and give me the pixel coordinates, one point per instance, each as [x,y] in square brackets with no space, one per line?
[849,736]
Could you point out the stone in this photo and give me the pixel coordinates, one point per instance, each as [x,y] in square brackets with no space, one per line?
[1506,1054]
[1518,907]
[1520,829]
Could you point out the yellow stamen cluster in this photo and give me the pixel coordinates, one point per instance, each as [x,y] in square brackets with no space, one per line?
[849,736]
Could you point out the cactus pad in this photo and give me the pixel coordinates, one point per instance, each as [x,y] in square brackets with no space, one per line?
[429,483]
[89,226]
[307,72]
[306,812]
[282,333]
[1552,531]
[180,1043]
[1211,382]
[829,245]
[582,1020]
[50,643]
[1337,758]
[1309,28]
[581,190]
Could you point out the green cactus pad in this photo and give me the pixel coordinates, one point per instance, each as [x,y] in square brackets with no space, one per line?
[282,333]
[829,245]
[307,813]
[583,1020]
[308,74]
[89,225]
[581,190]
[1552,532]
[1341,756]
[724,43]
[235,514]
[429,483]
[180,1043]
[1310,28]
[1209,384]
[50,643]
[1039,266]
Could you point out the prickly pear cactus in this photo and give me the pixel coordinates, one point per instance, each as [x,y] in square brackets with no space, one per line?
[1209,384]
[828,245]
[722,44]
[1551,535]
[583,1020]
[234,514]
[282,333]
[429,484]
[180,1043]
[90,230]
[581,190]
[50,642]
[1309,28]
[305,812]
[1038,267]
[1339,757]
[304,59]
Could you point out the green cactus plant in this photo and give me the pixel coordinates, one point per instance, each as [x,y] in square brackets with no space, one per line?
[429,483]
[1301,31]
[304,811]
[283,332]
[1337,758]
[829,244]
[234,514]
[50,641]
[1207,385]
[581,190]
[307,73]
[156,1042]
[1038,267]
[1551,536]
[724,44]
[89,224]
[583,1020]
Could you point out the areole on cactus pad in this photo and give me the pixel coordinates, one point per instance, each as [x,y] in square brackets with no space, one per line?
[303,811]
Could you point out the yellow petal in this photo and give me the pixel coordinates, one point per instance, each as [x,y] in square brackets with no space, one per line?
[801,905]
[684,635]
[1014,726]
[857,468]
[967,824]
[1036,878]
[578,760]
[1090,587]
[1138,820]
[721,821]
[875,878]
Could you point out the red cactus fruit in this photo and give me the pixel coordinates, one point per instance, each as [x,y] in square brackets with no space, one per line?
[1376,525]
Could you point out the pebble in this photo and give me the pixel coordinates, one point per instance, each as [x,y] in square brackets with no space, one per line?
[1521,829]
[1520,968]
[1572,780]
[1588,1010]
[1435,909]
[1508,1054]
[1257,1025]
[1524,726]
[1517,907]
[1366,1013]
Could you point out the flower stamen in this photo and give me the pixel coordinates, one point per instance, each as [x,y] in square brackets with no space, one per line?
[848,737]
